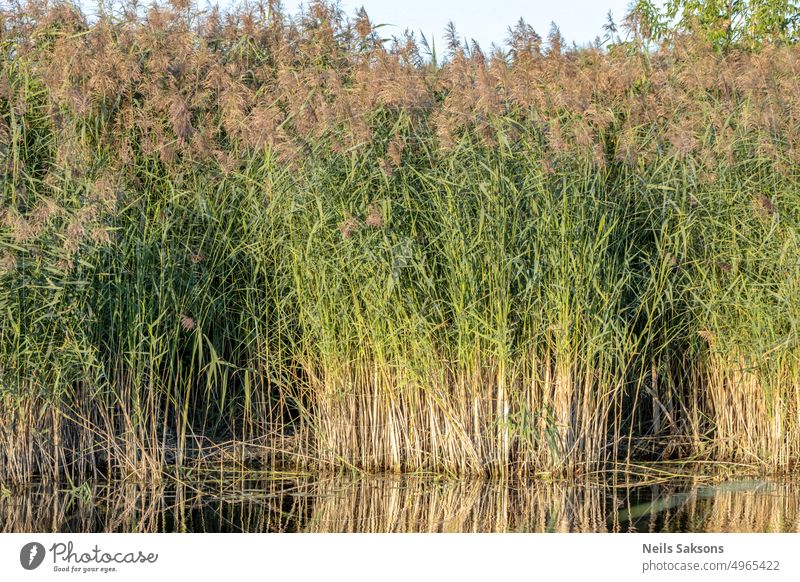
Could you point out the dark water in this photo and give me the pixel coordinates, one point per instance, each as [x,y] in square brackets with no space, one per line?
[271,503]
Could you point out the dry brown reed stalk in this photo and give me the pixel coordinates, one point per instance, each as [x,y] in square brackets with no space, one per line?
[196,257]
[187,323]
[463,420]
[349,226]
[7,263]
[763,205]
[374,215]
[755,415]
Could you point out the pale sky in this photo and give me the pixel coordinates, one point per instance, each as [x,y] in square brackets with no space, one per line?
[484,20]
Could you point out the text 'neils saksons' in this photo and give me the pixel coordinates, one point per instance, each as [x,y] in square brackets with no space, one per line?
[664,548]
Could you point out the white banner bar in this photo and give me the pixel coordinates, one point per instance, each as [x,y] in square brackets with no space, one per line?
[408,557]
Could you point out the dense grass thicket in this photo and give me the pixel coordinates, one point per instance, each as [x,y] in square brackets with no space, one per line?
[220,230]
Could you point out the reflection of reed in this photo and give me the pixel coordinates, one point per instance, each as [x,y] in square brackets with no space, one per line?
[417,505]
[403,505]
[225,506]
[44,508]
[770,507]
[752,506]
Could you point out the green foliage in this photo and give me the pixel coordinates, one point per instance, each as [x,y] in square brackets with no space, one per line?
[729,23]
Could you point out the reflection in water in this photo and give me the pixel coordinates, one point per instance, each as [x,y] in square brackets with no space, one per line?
[262,504]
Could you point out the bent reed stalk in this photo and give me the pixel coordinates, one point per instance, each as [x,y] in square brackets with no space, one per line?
[226,227]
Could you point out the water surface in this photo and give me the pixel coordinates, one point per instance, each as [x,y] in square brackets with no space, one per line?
[271,503]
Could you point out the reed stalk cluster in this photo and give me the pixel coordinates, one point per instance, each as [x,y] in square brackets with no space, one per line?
[245,225]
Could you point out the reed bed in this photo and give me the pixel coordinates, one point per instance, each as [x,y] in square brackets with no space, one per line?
[226,227]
